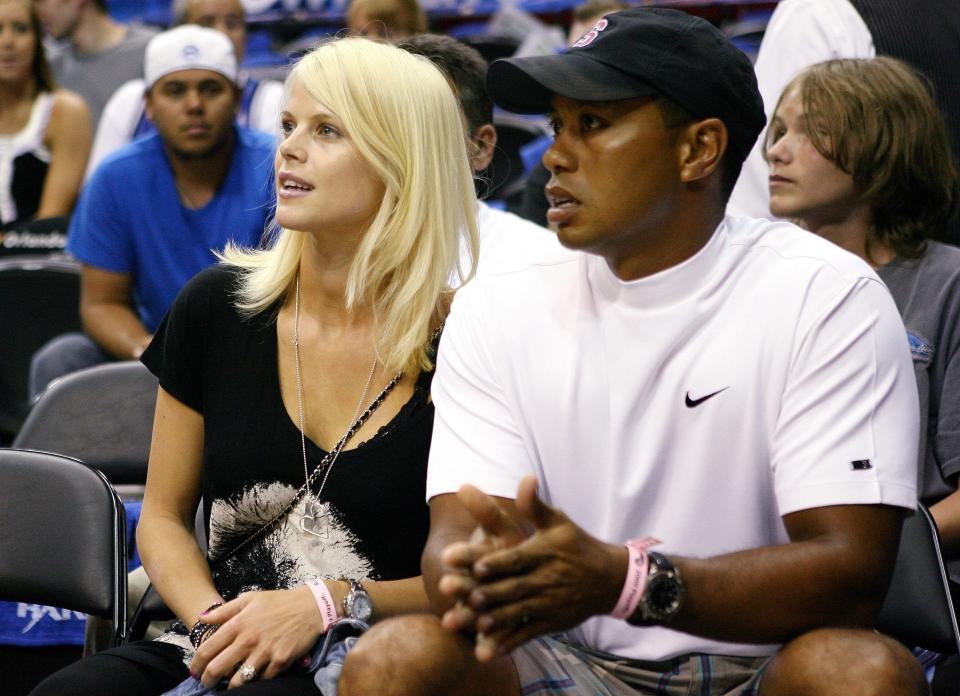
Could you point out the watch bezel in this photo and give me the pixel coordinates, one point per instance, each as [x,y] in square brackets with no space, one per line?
[357,604]
[661,573]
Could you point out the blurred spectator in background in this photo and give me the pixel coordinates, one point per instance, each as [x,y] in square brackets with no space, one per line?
[588,13]
[858,155]
[124,117]
[152,214]
[44,131]
[391,20]
[504,237]
[98,54]
[925,34]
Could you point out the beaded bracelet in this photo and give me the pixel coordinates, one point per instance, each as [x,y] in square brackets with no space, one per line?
[200,631]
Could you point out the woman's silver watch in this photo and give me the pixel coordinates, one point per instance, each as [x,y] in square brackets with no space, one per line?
[357,604]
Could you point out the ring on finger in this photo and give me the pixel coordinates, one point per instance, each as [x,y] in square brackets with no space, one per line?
[247,673]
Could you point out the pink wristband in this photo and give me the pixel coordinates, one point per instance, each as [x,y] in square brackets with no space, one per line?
[636,580]
[325,603]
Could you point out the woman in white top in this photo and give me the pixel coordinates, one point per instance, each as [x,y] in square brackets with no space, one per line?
[45,132]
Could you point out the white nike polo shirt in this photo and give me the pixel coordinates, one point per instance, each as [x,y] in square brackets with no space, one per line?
[767,374]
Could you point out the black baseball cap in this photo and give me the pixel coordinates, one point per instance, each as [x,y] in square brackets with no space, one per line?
[642,51]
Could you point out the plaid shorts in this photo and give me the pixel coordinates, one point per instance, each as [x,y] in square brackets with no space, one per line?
[550,665]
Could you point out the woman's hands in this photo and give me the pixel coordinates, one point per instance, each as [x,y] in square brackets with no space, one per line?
[267,631]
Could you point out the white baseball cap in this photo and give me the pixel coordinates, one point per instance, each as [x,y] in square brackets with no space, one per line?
[189,47]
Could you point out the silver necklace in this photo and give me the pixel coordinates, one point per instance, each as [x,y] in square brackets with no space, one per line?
[311,517]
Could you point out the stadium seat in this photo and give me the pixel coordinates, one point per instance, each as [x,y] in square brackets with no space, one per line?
[40,296]
[918,609]
[64,537]
[102,416]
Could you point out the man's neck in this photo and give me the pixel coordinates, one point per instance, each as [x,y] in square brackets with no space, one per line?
[198,179]
[12,94]
[324,271]
[96,32]
[679,238]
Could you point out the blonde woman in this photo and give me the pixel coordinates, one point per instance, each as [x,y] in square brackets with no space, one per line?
[294,389]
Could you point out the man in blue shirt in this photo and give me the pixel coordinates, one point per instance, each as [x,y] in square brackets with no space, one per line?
[153,214]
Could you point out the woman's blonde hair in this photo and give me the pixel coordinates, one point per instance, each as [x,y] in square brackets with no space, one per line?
[401,114]
[876,120]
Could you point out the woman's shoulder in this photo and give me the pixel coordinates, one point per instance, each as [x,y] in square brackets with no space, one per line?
[69,115]
[938,266]
[219,282]
[206,306]
[68,107]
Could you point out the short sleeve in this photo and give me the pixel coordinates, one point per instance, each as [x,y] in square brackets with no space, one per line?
[946,435]
[176,353]
[117,122]
[476,436]
[100,233]
[266,106]
[848,423]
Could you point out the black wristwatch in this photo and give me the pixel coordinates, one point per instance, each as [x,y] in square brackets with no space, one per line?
[663,594]
[357,604]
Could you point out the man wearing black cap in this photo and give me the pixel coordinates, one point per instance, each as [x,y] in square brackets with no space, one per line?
[722,409]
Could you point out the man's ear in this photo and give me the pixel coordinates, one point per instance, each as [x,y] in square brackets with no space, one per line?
[482,143]
[148,106]
[701,148]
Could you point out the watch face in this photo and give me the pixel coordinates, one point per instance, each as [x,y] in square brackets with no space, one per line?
[361,607]
[664,595]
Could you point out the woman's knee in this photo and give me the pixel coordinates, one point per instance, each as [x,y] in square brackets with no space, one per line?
[141,668]
[82,677]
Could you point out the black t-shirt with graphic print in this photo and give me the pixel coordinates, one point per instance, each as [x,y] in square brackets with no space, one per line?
[372,515]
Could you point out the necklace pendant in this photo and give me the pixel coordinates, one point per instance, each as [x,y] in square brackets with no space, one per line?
[313,521]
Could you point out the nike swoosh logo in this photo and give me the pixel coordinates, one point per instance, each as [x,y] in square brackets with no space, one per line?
[693,403]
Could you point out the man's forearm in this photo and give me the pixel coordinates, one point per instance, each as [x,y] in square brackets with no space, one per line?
[433,568]
[772,594]
[946,513]
[116,328]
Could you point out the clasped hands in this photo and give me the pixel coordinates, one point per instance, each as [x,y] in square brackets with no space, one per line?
[525,573]
[268,631]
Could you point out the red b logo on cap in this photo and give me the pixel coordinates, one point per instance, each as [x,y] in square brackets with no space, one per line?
[589,37]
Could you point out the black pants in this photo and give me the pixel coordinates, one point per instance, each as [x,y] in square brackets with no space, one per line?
[149,668]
